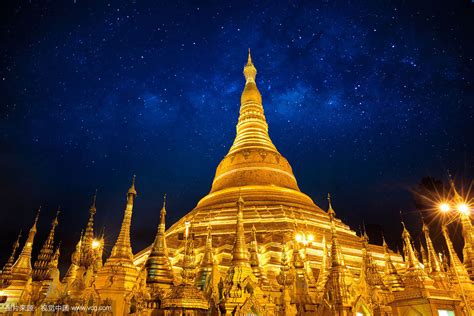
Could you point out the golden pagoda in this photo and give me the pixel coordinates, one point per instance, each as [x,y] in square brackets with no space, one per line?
[254,245]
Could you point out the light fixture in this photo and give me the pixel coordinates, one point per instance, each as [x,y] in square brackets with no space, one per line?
[444,207]
[95,243]
[463,208]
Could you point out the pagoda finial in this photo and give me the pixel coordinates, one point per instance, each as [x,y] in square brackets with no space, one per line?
[392,279]
[250,72]
[239,254]
[132,190]
[93,209]
[433,261]
[40,271]
[163,213]
[22,269]
[122,250]
[158,264]
[331,212]
[6,274]
[411,259]
[188,274]
[36,218]
[87,252]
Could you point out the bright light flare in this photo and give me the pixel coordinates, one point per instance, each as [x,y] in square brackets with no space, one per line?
[96,244]
[187,225]
[298,237]
[444,207]
[463,208]
[310,237]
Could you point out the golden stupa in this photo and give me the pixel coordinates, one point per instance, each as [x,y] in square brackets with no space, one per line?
[255,245]
[255,171]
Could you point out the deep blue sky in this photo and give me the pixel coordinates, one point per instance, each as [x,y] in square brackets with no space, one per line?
[364,98]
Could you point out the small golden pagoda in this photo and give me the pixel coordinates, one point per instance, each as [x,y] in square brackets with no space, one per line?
[254,245]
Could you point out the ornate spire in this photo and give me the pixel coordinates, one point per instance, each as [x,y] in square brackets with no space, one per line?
[6,273]
[185,295]
[162,226]
[53,264]
[286,279]
[87,251]
[253,158]
[158,264]
[432,258]
[188,273]
[412,261]
[240,253]
[250,72]
[71,273]
[336,290]
[467,231]
[254,257]
[122,249]
[369,269]
[325,265]
[207,262]
[392,278]
[40,271]
[331,213]
[424,257]
[22,269]
[456,265]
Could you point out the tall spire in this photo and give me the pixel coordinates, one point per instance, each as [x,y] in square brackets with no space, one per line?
[71,273]
[369,269]
[336,289]
[250,72]
[254,258]
[252,128]
[330,212]
[240,253]
[185,295]
[253,159]
[158,263]
[411,259]
[203,279]
[456,264]
[188,273]
[286,278]
[325,265]
[87,251]
[6,274]
[22,269]
[467,231]
[40,271]
[392,278]
[432,260]
[122,249]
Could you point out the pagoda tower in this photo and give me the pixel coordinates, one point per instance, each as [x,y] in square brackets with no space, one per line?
[41,266]
[116,280]
[257,172]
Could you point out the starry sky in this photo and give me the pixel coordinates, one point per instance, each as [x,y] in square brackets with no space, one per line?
[364,98]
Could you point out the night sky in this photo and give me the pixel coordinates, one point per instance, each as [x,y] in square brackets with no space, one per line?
[363,98]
